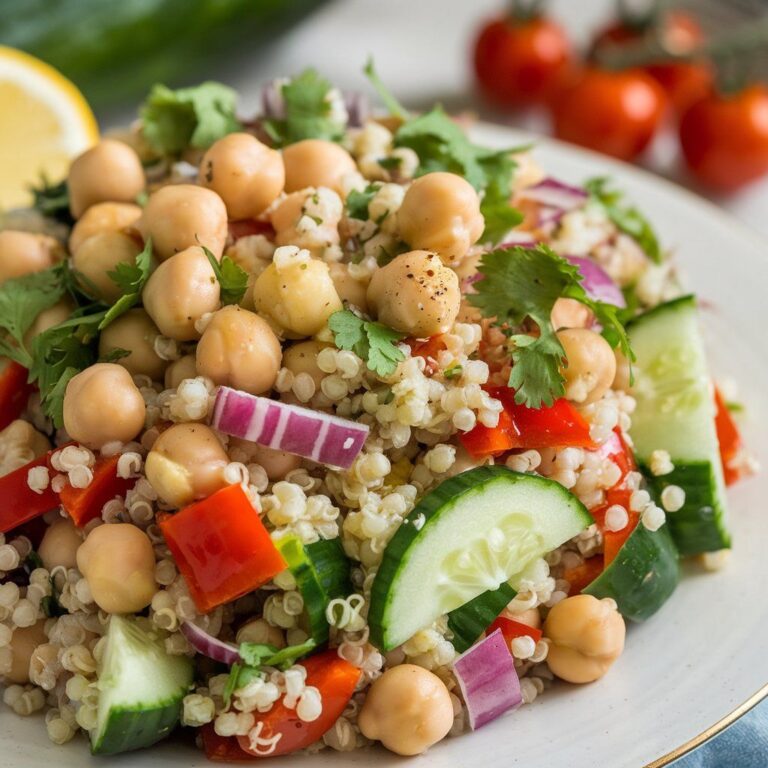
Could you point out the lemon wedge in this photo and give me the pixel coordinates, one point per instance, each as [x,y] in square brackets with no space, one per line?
[44,122]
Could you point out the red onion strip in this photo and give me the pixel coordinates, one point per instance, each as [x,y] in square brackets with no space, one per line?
[208,645]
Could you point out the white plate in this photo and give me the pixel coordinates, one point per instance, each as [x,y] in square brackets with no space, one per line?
[703,656]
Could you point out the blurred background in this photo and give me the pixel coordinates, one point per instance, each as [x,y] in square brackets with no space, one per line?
[520,62]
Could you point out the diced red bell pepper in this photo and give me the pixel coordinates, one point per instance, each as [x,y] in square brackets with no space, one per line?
[335,678]
[557,426]
[221,547]
[85,504]
[616,449]
[729,438]
[512,629]
[583,575]
[18,502]
[245,227]
[428,349]
[14,391]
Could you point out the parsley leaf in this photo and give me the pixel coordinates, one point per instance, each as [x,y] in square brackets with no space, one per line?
[188,117]
[22,299]
[390,102]
[626,217]
[52,200]
[233,280]
[520,284]
[372,342]
[130,279]
[308,111]
[357,202]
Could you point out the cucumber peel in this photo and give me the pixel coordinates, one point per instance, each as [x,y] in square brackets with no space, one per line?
[470,620]
[471,534]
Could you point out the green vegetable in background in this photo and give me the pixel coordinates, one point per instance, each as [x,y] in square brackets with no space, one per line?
[114,51]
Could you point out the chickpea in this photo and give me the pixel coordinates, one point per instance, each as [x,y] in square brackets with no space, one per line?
[259,631]
[22,253]
[186,462]
[102,404]
[245,173]
[239,349]
[49,318]
[103,217]
[183,368]
[20,443]
[136,333]
[277,464]
[296,293]
[179,216]
[591,365]
[23,643]
[441,213]
[302,358]
[587,636]
[622,379]
[350,289]
[569,313]
[416,294]
[110,171]
[119,562]
[408,709]
[97,257]
[316,163]
[179,292]
[59,545]
[308,219]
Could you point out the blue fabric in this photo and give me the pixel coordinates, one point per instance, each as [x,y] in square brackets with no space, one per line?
[742,745]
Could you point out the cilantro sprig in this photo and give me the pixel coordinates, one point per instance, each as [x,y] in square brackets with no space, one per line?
[626,217]
[373,342]
[195,117]
[232,279]
[52,200]
[130,279]
[308,111]
[257,655]
[522,284]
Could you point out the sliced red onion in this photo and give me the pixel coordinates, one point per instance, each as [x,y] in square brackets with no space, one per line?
[488,680]
[555,199]
[312,434]
[519,239]
[209,645]
[597,283]
[358,108]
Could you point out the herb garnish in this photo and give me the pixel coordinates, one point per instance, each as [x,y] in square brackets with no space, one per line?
[233,280]
[373,342]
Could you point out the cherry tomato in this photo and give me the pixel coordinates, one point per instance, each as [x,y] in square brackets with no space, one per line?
[684,82]
[521,62]
[613,112]
[725,138]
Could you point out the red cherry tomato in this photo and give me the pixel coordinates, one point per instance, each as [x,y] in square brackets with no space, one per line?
[725,138]
[613,112]
[520,63]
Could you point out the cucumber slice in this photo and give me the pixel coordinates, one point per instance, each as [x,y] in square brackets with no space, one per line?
[469,535]
[676,412]
[643,575]
[141,688]
[470,620]
[321,571]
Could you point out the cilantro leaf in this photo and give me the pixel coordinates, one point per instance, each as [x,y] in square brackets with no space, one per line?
[626,217]
[308,111]
[357,202]
[233,280]
[390,102]
[130,279]
[188,117]
[52,200]
[521,284]
[22,299]
[372,342]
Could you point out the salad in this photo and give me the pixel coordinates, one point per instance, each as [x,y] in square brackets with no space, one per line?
[323,428]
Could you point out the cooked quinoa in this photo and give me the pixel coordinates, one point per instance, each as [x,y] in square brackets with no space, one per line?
[307,228]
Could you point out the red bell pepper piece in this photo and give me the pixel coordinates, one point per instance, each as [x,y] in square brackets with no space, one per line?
[221,547]
[557,426]
[729,438]
[18,502]
[512,629]
[335,678]
[428,349]
[583,575]
[85,504]
[14,391]
[245,227]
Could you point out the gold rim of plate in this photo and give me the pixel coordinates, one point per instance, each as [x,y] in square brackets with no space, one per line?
[713,730]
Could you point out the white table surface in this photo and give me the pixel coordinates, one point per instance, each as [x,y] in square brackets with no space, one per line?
[421,49]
